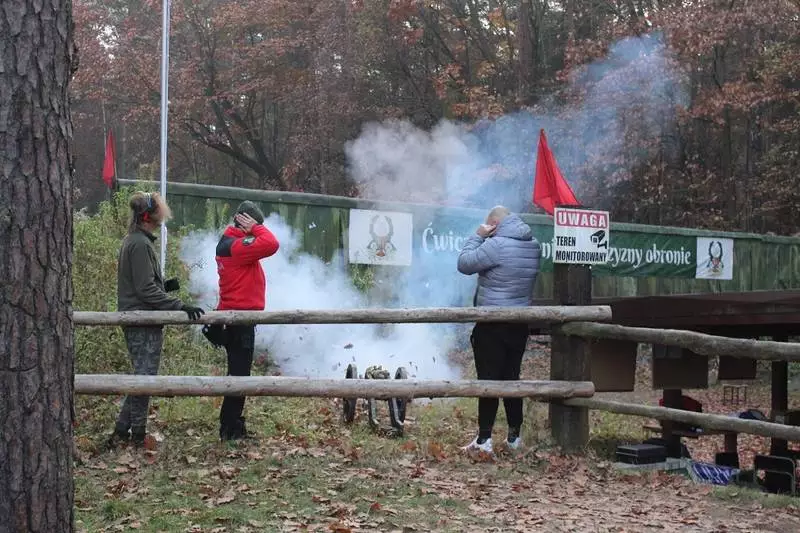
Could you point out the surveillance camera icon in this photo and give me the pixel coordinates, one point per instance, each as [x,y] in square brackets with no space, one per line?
[599,239]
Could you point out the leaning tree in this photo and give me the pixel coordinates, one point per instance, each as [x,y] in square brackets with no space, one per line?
[37,61]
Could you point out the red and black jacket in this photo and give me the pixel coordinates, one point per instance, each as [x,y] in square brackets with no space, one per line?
[242,283]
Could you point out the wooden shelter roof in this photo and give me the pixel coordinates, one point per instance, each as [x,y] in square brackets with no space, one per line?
[748,313]
[734,314]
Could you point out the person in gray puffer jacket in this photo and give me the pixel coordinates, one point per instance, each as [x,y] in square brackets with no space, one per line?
[506,256]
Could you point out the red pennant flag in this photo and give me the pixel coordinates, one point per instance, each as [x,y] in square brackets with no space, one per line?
[550,189]
[110,161]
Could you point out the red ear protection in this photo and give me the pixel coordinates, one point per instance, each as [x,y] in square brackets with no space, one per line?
[150,207]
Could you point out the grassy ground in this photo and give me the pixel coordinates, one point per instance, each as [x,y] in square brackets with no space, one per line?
[310,472]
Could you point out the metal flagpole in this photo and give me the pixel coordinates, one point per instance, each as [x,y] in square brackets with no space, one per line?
[164,113]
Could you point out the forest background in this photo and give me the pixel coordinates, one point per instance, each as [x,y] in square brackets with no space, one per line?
[271,94]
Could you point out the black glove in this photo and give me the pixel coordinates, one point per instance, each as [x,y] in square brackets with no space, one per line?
[193,312]
[172,285]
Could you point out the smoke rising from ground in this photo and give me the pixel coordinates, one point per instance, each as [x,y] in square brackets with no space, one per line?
[483,164]
[297,280]
[493,162]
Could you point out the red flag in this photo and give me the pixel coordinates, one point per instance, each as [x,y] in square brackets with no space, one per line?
[110,161]
[550,189]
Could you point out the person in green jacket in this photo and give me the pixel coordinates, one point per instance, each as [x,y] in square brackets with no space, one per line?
[140,287]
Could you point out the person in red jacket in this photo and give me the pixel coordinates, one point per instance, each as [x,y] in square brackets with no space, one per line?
[242,287]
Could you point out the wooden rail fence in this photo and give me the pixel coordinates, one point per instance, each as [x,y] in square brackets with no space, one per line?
[572,396]
[381,389]
[699,343]
[704,420]
[542,314]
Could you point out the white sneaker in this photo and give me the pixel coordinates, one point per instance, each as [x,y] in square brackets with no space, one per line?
[486,447]
[515,444]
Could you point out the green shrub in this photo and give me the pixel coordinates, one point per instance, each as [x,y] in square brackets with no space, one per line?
[216,215]
[97,240]
[363,277]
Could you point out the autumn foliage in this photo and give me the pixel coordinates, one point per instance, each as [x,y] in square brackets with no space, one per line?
[266,93]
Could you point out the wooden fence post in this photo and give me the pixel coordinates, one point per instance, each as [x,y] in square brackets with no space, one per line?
[780,398]
[569,358]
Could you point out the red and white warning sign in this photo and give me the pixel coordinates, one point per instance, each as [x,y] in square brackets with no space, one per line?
[581,236]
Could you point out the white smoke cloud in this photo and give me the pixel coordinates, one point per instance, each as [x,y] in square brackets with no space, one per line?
[485,164]
[297,280]
[492,162]
[394,159]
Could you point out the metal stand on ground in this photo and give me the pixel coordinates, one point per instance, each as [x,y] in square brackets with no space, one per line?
[397,406]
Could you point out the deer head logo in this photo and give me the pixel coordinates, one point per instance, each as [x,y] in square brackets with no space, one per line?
[714,263]
[381,231]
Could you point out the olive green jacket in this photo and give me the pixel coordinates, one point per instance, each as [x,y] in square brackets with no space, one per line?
[140,286]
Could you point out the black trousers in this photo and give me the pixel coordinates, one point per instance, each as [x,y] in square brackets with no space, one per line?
[498,350]
[240,344]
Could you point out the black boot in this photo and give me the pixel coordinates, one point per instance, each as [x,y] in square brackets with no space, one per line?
[119,437]
[224,432]
[244,434]
[137,437]
[235,431]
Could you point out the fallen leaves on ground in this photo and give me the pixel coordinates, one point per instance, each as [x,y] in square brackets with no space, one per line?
[313,473]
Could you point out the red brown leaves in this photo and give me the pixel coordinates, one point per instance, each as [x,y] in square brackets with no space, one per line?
[436,451]
[308,482]
[150,442]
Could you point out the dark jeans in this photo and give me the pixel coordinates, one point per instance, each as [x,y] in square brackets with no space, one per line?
[498,350]
[144,350]
[240,345]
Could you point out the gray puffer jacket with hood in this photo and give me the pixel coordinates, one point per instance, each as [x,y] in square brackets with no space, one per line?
[507,264]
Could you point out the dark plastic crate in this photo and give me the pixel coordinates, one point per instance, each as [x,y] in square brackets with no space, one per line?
[641,454]
[729,459]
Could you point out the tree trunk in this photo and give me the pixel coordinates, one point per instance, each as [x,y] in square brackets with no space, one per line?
[525,63]
[36,347]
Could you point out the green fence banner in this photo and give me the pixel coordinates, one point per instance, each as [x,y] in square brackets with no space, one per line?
[631,253]
[641,257]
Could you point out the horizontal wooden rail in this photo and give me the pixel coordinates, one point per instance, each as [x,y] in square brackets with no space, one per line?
[546,314]
[703,420]
[700,343]
[113,384]
[573,393]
